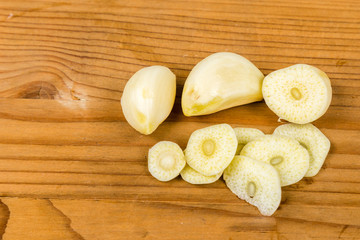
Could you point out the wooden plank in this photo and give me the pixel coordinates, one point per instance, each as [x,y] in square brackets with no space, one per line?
[54,219]
[72,168]
[65,218]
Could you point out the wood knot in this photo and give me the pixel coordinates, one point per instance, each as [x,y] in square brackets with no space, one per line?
[33,90]
[41,90]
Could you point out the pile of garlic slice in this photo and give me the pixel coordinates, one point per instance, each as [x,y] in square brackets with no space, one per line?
[255,166]
[256,175]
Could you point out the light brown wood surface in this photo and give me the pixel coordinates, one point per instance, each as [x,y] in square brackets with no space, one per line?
[72,168]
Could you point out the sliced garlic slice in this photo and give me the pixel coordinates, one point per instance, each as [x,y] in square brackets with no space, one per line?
[285,154]
[300,93]
[165,161]
[256,182]
[194,177]
[148,98]
[220,81]
[310,137]
[210,150]
[245,135]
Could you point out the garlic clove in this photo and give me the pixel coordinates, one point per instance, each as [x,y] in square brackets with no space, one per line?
[220,81]
[148,98]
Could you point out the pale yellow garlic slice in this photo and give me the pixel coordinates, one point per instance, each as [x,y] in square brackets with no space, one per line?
[245,135]
[220,81]
[310,137]
[165,160]
[194,177]
[210,150]
[148,98]
[300,93]
[285,154]
[256,182]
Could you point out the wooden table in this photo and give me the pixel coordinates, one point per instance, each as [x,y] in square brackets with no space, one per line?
[72,168]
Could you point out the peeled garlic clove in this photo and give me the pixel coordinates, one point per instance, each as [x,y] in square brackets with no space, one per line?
[210,150]
[165,161]
[285,154]
[148,98]
[310,137]
[220,81]
[245,135]
[194,177]
[256,182]
[300,93]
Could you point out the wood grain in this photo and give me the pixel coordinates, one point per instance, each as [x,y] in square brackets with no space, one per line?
[72,168]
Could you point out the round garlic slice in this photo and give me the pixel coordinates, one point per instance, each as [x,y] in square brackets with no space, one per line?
[210,150]
[148,98]
[285,154]
[165,161]
[256,182]
[194,177]
[300,93]
[310,137]
[220,81]
[245,135]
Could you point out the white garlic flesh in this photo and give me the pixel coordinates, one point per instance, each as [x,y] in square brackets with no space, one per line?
[148,98]
[299,94]
[220,81]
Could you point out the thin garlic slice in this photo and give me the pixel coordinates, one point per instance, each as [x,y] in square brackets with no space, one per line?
[220,81]
[210,150]
[300,93]
[310,137]
[285,154]
[194,177]
[148,98]
[256,182]
[245,135]
[165,161]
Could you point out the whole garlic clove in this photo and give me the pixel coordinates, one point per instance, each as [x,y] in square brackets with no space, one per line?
[148,98]
[220,81]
